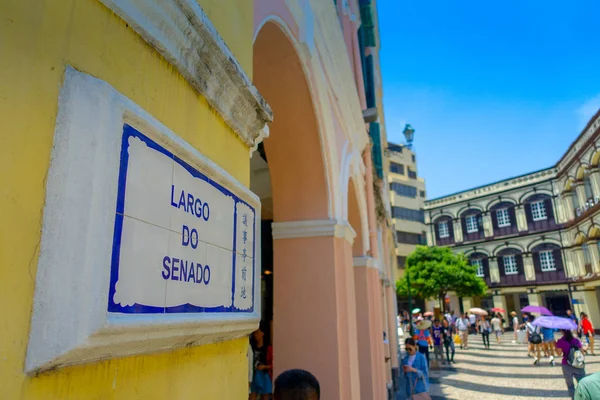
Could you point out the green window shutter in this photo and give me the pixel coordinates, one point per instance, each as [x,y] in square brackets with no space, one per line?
[369,81]
[366,16]
[377,150]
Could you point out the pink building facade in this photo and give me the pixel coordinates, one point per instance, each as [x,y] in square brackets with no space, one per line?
[328,251]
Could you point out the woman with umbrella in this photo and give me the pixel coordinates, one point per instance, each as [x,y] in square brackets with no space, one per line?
[570,372]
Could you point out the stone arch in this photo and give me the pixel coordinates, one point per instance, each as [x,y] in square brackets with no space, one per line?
[470,207]
[357,219]
[299,174]
[471,252]
[569,184]
[540,241]
[501,248]
[579,238]
[498,200]
[593,232]
[444,214]
[581,171]
[525,196]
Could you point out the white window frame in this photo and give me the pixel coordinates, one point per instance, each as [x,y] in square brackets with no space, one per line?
[547,261]
[446,230]
[505,217]
[539,208]
[514,268]
[478,262]
[471,223]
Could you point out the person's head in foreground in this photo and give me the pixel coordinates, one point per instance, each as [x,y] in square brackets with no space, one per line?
[297,384]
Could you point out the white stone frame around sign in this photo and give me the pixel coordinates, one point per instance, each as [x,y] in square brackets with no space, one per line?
[70,323]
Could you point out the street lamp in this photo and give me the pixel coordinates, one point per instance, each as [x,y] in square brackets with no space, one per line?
[409,134]
[410,309]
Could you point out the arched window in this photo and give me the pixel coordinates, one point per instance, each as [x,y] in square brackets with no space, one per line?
[480,261]
[539,212]
[510,266]
[504,220]
[587,185]
[444,231]
[548,262]
[472,225]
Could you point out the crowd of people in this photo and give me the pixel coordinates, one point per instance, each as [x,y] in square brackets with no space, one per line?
[443,333]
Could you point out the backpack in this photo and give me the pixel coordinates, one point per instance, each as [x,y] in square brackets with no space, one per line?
[534,337]
[575,358]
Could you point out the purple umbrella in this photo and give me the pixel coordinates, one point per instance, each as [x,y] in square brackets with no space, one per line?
[555,323]
[537,310]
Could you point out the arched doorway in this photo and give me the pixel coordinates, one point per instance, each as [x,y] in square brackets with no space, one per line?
[313,304]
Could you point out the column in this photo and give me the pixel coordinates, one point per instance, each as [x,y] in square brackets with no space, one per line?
[578,261]
[580,191]
[594,255]
[488,229]
[569,263]
[590,305]
[458,237]
[528,267]
[314,304]
[370,328]
[535,299]
[393,327]
[494,272]
[568,206]
[595,181]
[467,303]
[521,218]
[500,302]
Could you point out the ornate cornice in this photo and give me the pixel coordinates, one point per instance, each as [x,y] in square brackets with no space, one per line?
[184,35]
[498,187]
[580,143]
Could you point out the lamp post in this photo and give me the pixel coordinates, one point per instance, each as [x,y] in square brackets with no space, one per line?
[409,134]
[410,309]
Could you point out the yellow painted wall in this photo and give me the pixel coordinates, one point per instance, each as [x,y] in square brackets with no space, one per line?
[37,40]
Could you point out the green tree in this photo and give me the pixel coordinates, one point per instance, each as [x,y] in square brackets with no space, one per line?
[435,271]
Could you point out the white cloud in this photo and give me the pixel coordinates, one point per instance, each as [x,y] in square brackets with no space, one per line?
[587,111]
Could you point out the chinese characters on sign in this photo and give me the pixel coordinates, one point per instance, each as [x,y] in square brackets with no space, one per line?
[182,242]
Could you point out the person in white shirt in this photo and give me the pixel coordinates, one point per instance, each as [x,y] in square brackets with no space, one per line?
[497,326]
[533,347]
[515,324]
[463,324]
[473,321]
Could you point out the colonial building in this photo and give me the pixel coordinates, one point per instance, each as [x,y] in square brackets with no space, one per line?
[533,237]
[177,172]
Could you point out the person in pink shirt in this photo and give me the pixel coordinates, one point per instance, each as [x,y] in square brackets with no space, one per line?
[564,344]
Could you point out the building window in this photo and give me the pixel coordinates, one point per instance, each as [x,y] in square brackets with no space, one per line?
[478,262]
[410,238]
[503,217]
[547,261]
[422,193]
[586,253]
[471,221]
[412,174]
[408,214]
[510,265]
[404,190]
[538,210]
[414,158]
[443,230]
[401,260]
[397,168]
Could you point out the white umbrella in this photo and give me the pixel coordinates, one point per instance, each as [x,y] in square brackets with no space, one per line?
[478,311]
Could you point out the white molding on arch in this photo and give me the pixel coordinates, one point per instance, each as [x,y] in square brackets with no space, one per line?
[184,35]
[320,108]
[365,261]
[313,228]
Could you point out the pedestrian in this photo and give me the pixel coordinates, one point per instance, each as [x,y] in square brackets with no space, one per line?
[438,340]
[497,326]
[416,371]
[406,320]
[423,337]
[579,326]
[570,365]
[572,317]
[463,325]
[588,331]
[449,331]
[549,343]
[484,328]
[473,323]
[534,340]
[261,381]
[297,384]
[515,325]
[588,388]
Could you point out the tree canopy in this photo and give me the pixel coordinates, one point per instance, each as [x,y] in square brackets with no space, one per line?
[436,271]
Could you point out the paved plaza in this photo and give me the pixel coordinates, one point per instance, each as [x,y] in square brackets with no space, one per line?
[503,372]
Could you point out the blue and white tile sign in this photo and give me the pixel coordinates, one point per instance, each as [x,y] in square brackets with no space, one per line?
[182,242]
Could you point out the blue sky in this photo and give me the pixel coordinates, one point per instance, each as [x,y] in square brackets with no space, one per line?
[493,89]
